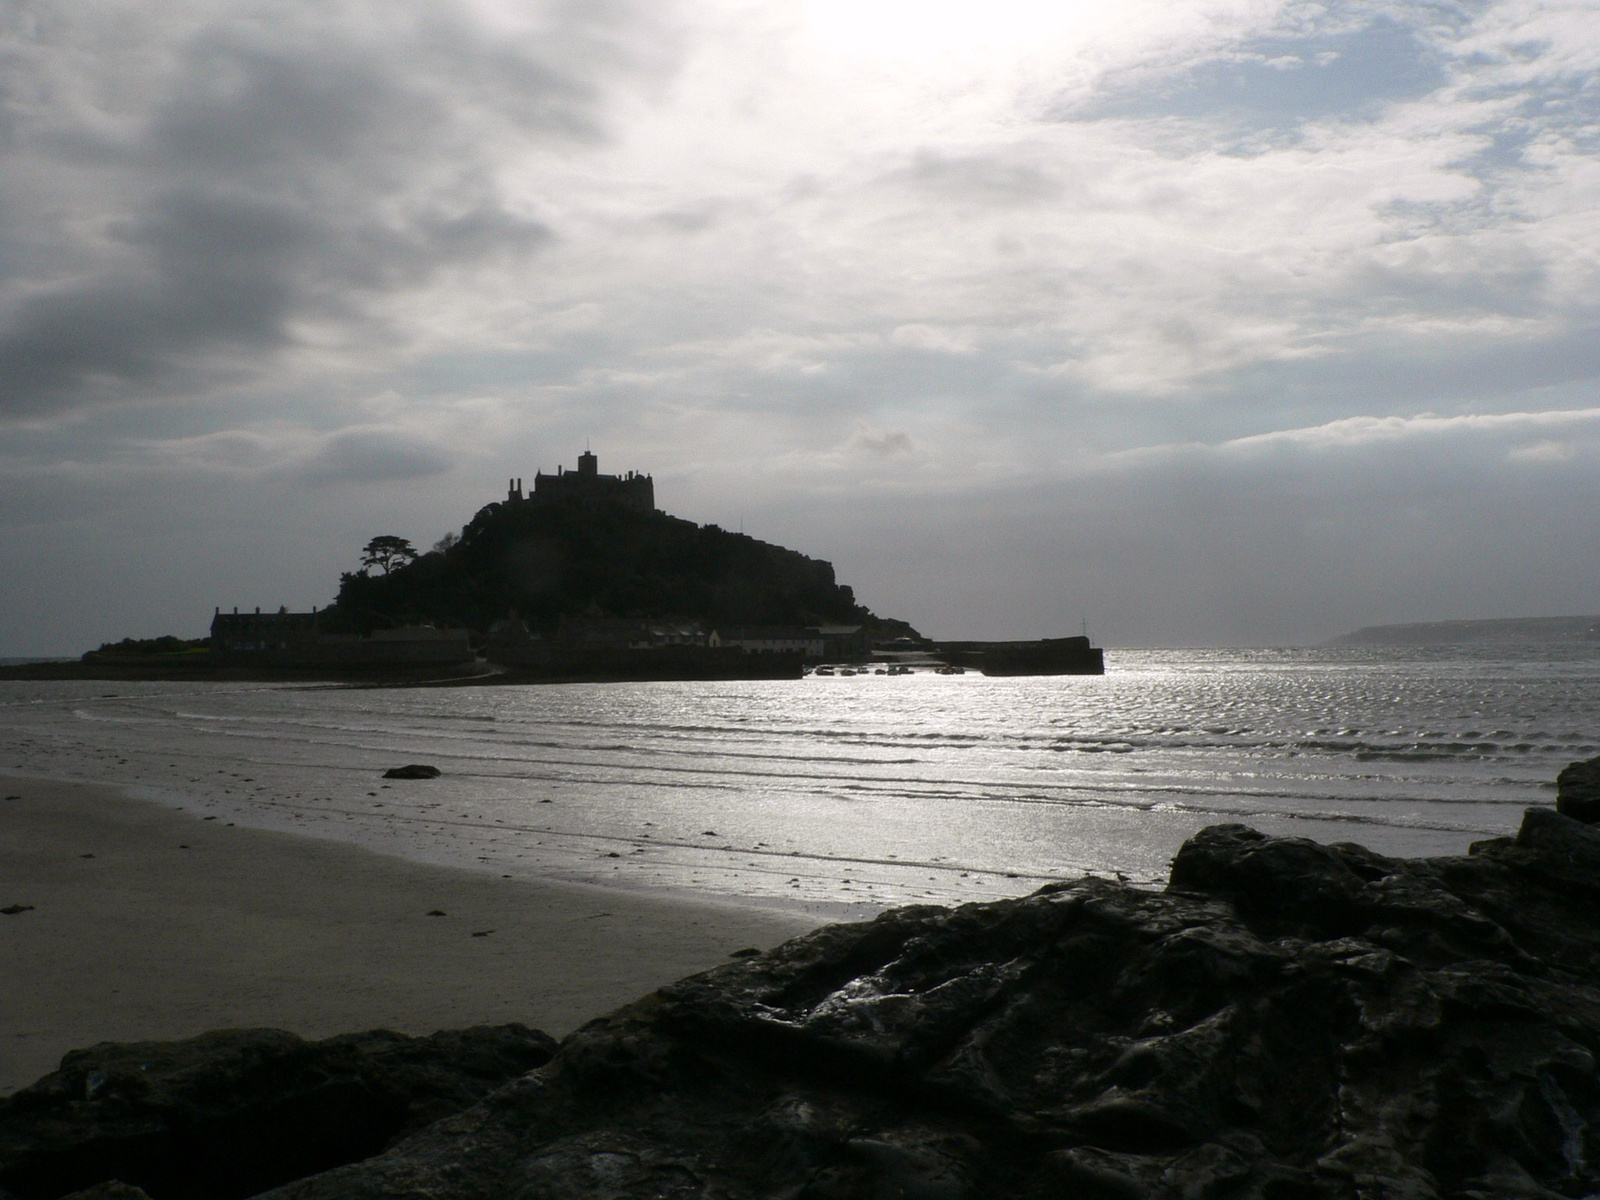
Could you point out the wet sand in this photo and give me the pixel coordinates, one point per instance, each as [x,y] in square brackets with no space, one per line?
[146,922]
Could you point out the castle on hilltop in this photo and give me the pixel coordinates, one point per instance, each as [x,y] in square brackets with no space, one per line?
[632,490]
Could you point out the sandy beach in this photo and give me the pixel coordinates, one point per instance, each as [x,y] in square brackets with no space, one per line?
[138,921]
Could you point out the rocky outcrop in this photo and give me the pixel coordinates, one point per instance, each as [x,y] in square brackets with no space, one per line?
[413,771]
[1578,791]
[1286,1019]
[233,1113]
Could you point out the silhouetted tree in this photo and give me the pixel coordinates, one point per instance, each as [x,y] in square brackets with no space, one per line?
[387,552]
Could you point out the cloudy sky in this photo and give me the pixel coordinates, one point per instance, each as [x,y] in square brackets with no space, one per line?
[1209,321]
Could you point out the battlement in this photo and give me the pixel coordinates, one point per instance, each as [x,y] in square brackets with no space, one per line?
[633,490]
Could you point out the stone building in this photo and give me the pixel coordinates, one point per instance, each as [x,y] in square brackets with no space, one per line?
[633,490]
[262,630]
[285,638]
[772,639]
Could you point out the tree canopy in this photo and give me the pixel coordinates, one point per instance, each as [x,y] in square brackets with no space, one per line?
[387,552]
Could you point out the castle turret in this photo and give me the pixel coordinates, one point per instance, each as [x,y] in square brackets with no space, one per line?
[635,490]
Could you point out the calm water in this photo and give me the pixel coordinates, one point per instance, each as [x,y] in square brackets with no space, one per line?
[855,791]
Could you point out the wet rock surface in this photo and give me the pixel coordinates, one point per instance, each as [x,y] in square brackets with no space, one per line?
[413,771]
[1286,1020]
[232,1113]
[1578,791]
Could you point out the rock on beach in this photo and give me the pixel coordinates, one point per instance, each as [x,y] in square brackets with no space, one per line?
[232,1113]
[413,771]
[1578,791]
[1286,1020]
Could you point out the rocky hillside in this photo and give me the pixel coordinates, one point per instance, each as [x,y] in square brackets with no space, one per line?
[546,560]
[232,1113]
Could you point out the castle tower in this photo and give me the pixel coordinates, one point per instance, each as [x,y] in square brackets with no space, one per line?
[587,485]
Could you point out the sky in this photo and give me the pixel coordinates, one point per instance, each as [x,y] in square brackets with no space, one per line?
[1213,322]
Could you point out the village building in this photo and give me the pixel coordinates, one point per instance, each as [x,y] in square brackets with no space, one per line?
[630,633]
[262,631]
[285,638]
[845,641]
[771,639]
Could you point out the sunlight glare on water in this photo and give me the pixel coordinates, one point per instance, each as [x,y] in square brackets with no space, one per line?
[862,791]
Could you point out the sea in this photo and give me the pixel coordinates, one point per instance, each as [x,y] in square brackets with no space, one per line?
[840,796]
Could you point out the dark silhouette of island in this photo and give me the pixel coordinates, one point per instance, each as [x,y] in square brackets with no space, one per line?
[583,577]
[586,545]
[580,577]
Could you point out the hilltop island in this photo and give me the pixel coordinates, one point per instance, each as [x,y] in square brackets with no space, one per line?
[579,577]
[582,575]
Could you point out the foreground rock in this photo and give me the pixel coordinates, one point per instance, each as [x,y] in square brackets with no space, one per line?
[1286,1020]
[230,1114]
[1578,791]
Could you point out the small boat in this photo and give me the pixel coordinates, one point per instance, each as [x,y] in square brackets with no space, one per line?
[823,671]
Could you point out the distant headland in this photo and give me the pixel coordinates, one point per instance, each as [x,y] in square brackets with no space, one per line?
[1503,631]
[579,577]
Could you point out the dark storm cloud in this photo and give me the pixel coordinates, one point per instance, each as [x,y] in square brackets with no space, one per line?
[884,443]
[371,456]
[218,273]
[280,173]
